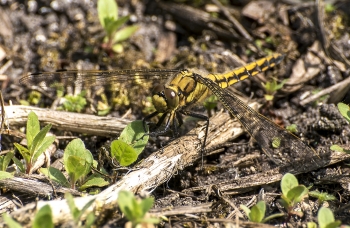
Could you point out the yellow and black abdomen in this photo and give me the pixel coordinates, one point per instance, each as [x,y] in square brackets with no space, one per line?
[251,69]
[191,91]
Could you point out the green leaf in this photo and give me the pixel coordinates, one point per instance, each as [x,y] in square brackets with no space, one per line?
[297,193]
[23,151]
[95,180]
[55,175]
[19,164]
[10,222]
[292,128]
[322,196]
[90,219]
[268,97]
[146,204]
[5,160]
[77,159]
[339,149]
[268,218]
[118,48]
[38,139]
[74,103]
[126,203]
[33,128]
[311,225]
[74,211]
[123,153]
[325,216]
[113,25]
[43,218]
[246,210]
[134,135]
[276,142]
[77,167]
[5,175]
[48,140]
[285,202]
[107,9]
[344,110]
[258,212]
[288,182]
[124,33]
[86,206]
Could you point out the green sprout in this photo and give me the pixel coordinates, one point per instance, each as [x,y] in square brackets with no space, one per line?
[136,210]
[344,110]
[108,16]
[37,143]
[271,88]
[292,194]
[257,213]
[77,161]
[130,144]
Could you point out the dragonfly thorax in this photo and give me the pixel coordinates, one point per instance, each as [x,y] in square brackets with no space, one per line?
[164,99]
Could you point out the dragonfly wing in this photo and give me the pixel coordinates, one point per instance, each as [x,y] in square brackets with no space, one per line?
[276,142]
[87,79]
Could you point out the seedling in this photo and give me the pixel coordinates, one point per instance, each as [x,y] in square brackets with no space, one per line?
[257,213]
[271,88]
[292,194]
[322,196]
[77,161]
[344,110]
[37,142]
[130,144]
[326,218]
[136,210]
[77,214]
[74,103]
[292,128]
[42,219]
[108,16]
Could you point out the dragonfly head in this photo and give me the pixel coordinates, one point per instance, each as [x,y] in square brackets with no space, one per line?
[164,99]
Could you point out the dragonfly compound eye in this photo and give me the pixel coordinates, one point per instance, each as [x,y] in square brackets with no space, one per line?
[171,97]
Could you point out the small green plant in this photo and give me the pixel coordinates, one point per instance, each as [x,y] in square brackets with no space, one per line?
[4,163]
[136,210]
[108,16]
[37,142]
[42,219]
[5,160]
[77,214]
[326,219]
[78,162]
[74,103]
[130,144]
[292,194]
[271,88]
[322,196]
[292,128]
[344,110]
[257,213]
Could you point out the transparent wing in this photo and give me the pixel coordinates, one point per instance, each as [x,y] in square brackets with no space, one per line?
[277,143]
[87,79]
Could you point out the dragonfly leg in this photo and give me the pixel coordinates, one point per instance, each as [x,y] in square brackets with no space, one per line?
[144,120]
[202,117]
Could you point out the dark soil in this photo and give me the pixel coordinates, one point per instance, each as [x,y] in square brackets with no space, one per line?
[52,35]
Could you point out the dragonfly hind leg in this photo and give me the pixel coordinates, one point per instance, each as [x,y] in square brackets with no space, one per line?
[202,117]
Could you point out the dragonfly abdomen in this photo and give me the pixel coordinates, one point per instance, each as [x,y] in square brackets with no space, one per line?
[241,73]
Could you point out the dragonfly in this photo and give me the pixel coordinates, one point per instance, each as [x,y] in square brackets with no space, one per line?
[185,88]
